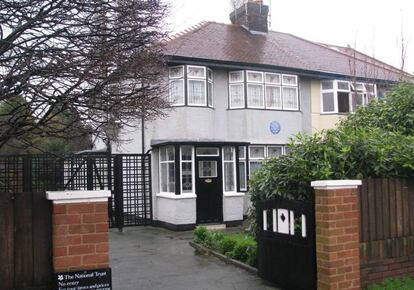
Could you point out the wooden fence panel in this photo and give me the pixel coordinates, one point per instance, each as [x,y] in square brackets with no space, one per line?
[42,227]
[6,241]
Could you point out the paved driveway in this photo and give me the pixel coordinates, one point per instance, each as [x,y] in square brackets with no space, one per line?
[153,258]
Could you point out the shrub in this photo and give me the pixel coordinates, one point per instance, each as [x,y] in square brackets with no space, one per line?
[213,240]
[200,234]
[227,244]
[404,283]
[243,250]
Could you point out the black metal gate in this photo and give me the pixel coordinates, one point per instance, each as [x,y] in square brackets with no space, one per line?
[128,176]
[286,243]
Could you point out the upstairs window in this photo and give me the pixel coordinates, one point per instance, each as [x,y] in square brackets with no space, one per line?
[263,90]
[344,97]
[191,85]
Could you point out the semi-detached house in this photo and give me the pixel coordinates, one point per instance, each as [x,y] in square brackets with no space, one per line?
[239,92]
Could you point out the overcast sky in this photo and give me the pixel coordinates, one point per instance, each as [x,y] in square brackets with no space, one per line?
[373,27]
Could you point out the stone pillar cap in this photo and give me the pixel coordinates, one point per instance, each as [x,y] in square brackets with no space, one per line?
[78,196]
[336,184]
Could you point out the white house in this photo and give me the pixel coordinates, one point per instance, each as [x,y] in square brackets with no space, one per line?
[239,93]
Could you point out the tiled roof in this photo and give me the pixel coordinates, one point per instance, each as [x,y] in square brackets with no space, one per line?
[231,43]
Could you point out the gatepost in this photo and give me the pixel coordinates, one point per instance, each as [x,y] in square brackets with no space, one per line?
[80,239]
[337,234]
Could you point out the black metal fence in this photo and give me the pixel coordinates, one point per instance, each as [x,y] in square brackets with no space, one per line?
[286,243]
[128,176]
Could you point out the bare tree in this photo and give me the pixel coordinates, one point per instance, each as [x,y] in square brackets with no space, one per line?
[99,60]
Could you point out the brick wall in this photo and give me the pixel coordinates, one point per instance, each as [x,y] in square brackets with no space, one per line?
[337,237]
[80,236]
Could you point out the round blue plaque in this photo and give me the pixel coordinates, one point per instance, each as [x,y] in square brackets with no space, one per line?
[274,127]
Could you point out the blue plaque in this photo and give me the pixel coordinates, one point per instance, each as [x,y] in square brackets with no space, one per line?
[274,127]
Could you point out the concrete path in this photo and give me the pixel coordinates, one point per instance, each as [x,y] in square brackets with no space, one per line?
[148,258]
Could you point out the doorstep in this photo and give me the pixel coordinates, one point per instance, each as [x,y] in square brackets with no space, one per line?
[213,227]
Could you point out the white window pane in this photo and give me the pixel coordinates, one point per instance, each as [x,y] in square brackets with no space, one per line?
[177,92]
[242,175]
[228,153]
[328,103]
[186,153]
[273,97]
[274,151]
[170,153]
[343,86]
[236,76]
[257,152]
[196,92]
[210,94]
[255,97]
[290,98]
[196,72]
[176,72]
[228,176]
[327,85]
[255,76]
[187,177]
[236,96]
[290,80]
[272,78]
[254,166]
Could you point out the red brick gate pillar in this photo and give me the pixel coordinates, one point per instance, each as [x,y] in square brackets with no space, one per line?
[337,234]
[80,230]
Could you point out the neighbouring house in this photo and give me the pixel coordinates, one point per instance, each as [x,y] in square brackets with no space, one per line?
[239,92]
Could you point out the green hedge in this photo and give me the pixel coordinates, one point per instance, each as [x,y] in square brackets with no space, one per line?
[241,247]
[375,141]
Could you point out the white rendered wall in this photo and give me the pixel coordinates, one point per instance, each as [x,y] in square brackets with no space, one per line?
[233,205]
[176,209]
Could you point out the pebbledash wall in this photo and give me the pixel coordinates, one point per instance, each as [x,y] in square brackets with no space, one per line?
[209,124]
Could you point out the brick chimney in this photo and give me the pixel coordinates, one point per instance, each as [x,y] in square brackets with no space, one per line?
[253,16]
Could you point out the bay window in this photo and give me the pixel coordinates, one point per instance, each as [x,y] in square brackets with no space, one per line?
[343,97]
[263,90]
[258,154]
[191,85]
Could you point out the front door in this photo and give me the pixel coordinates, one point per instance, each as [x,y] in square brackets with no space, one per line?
[209,188]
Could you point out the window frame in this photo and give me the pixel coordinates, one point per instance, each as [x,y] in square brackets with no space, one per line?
[207,155]
[192,161]
[169,92]
[223,161]
[204,68]
[242,106]
[263,96]
[296,95]
[176,66]
[252,81]
[280,96]
[290,85]
[188,92]
[160,170]
[351,90]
